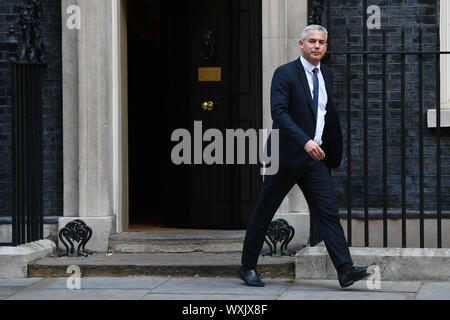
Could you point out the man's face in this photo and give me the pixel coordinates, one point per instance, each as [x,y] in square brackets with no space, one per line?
[314,46]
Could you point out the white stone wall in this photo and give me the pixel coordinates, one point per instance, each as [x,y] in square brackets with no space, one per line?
[50,232]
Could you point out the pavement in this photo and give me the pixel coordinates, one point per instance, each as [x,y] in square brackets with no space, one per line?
[215,288]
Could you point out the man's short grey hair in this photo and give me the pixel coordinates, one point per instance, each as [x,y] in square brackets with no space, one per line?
[314,27]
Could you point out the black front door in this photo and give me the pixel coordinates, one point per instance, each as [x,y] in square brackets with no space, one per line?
[209,71]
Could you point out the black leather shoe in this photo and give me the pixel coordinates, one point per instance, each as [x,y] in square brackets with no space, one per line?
[354,274]
[251,278]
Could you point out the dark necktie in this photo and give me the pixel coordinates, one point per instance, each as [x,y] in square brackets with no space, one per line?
[316,91]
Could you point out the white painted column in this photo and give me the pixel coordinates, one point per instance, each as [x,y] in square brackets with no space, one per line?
[444,69]
[283,22]
[116,43]
[70,111]
[95,74]
[96,123]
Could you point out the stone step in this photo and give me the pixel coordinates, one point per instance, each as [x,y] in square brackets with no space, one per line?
[225,264]
[394,264]
[172,242]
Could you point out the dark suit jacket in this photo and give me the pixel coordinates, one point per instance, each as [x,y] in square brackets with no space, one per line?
[293,114]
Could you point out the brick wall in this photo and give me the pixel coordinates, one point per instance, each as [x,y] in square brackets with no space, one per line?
[396,14]
[52,110]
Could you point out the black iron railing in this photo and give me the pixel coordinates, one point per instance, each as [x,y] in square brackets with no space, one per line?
[347,75]
[24,59]
[353,61]
[28,218]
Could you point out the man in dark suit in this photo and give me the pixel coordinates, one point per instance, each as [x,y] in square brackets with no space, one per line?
[310,142]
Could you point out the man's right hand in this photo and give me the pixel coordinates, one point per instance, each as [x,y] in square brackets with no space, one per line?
[314,150]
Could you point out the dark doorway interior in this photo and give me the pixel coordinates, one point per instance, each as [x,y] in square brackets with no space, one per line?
[165,53]
[148,116]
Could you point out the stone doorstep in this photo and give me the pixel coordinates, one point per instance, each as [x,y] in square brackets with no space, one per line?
[223,264]
[284,271]
[186,241]
[406,264]
[172,242]
[14,260]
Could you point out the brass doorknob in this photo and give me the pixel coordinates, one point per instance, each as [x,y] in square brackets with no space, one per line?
[208,105]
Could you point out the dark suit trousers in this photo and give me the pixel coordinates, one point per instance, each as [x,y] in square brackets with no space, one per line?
[315,182]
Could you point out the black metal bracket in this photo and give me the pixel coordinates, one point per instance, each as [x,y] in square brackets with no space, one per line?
[30,20]
[315,11]
[208,50]
[77,231]
[279,231]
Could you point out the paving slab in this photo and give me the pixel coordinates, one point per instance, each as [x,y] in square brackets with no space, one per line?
[84,294]
[388,286]
[333,285]
[225,286]
[208,288]
[344,295]
[434,291]
[6,292]
[18,282]
[9,287]
[206,297]
[146,283]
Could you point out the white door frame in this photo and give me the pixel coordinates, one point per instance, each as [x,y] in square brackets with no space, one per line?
[120,114]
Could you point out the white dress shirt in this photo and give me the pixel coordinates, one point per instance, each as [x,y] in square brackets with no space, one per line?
[323,97]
